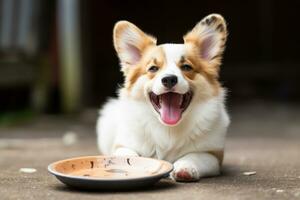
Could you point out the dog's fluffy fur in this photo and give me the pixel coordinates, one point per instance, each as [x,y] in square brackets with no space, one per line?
[144,122]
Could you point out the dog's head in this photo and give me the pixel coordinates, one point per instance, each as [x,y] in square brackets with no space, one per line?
[172,77]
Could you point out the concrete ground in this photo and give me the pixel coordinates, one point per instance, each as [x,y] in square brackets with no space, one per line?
[264,138]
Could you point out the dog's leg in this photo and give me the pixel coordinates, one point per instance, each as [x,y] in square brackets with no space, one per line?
[193,166]
[123,151]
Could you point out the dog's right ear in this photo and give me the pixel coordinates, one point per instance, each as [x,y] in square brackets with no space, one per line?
[209,37]
[130,42]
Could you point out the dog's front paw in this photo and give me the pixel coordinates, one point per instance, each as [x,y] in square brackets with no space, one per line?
[185,171]
[122,151]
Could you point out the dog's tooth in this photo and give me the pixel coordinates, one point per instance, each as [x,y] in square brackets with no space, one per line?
[181,99]
[160,99]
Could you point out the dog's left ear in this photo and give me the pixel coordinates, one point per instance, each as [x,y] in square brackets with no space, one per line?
[130,42]
[209,36]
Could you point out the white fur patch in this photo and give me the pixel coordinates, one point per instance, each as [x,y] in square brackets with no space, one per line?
[133,125]
[173,53]
[195,165]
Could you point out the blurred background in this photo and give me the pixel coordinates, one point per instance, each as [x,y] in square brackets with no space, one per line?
[58,67]
[57,57]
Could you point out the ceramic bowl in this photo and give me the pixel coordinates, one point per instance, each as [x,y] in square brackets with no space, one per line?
[110,172]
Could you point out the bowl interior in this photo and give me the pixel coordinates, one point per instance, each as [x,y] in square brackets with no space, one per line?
[110,167]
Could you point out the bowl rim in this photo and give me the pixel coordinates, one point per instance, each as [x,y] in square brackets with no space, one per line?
[52,171]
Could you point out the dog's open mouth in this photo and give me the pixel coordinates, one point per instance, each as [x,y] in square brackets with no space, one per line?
[171,105]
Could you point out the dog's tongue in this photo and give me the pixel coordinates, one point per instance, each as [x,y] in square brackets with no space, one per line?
[170,110]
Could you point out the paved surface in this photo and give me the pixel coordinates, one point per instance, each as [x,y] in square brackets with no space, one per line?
[263,138]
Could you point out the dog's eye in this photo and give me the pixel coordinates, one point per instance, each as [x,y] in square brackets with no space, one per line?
[153,69]
[186,67]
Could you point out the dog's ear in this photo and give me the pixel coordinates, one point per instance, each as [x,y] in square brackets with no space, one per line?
[130,42]
[209,36]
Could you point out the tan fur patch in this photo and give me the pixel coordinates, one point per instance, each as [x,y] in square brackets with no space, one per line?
[193,41]
[189,74]
[213,22]
[119,29]
[132,76]
[154,56]
[211,73]
[139,41]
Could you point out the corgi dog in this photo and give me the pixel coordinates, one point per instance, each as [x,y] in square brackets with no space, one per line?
[171,105]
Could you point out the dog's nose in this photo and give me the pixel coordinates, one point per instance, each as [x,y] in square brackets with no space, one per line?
[169,81]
